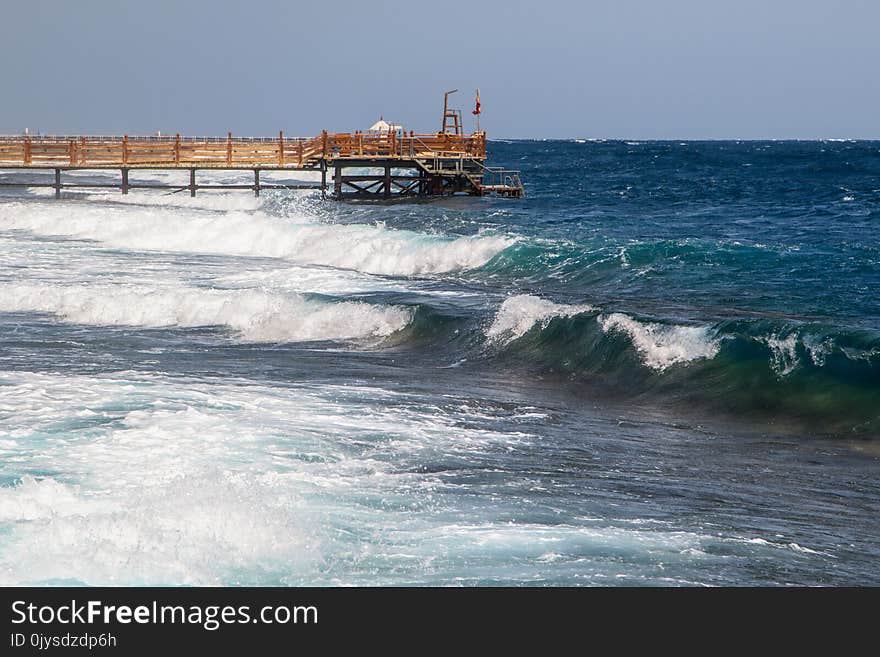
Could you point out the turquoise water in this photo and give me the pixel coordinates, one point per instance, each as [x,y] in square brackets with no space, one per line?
[661,367]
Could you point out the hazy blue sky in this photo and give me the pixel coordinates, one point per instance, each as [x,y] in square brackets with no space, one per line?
[547,68]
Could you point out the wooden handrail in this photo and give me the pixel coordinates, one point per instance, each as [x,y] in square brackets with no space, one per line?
[233,151]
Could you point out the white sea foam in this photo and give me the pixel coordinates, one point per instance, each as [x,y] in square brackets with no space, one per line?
[155,483]
[196,530]
[35,499]
[60,261]
[521,312]
[817,349]
[784,357]
[255,315]
[783,353]
[283,277]
[178,481]
[661,345]
[780,545]
[185,482]
[371,249]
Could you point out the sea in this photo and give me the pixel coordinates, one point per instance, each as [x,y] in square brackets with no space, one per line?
[660,368]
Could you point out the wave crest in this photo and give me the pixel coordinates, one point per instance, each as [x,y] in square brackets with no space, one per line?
[256,316]
[519,313]
[661,345]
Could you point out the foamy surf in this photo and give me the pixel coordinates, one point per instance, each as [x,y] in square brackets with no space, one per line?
[254,315]
[199,530]
[371,249]
[162,481]
[182,482]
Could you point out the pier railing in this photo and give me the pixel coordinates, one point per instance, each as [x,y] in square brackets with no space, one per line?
[232,152]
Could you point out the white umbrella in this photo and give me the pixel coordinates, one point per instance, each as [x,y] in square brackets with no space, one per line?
[383,126]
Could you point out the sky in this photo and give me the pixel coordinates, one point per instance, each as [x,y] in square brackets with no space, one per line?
[643,69]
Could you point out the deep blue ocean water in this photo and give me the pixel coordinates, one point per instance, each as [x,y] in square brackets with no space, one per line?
[662,367]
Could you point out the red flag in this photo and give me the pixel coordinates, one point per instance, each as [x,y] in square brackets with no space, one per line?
[477,109]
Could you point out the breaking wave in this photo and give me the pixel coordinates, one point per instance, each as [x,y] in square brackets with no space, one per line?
[658,345]
[520,313]
[776,369]
[663,345]
[254,315]
[372,249]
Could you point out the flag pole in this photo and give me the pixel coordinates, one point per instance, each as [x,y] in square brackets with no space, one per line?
[478,110]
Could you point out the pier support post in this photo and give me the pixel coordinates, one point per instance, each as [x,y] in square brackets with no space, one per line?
[125,181]
[256,182]
[387,193]
[337,182]
[192,182]
[323,173]
[57,183]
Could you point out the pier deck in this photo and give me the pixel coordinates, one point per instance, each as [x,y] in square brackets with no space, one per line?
[387,163]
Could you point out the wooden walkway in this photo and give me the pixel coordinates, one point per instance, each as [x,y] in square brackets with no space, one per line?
[432,164]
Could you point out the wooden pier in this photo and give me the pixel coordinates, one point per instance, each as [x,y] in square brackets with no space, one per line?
[365,165]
